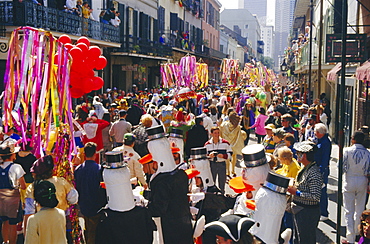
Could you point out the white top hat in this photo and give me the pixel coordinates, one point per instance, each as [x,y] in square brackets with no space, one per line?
[119,190]
[161,152]
[201,163]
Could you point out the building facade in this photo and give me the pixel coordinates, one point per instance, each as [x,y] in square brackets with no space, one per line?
[268,37]
[284,12]
[245,24]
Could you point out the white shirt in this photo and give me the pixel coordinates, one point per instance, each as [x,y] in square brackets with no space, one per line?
[207,122]
[116,21]
[70,4]
[15,172]
[356,160]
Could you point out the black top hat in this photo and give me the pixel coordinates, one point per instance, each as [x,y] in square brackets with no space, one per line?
[254,155]
[177,133]
[114,160]
[198,153]
[277,183]
[231,226]
[155,132]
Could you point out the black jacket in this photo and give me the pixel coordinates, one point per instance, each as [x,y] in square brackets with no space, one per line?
[197,137]
[168,200]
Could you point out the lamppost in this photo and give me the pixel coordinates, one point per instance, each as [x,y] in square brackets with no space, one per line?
[283,66]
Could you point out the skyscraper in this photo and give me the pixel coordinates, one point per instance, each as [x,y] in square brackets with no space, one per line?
[258,7]
[284,13]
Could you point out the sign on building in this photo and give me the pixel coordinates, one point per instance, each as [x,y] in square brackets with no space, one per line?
[356,45]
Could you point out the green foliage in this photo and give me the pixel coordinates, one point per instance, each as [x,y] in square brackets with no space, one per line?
[268,62]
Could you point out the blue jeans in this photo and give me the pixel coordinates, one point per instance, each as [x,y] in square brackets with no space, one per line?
[324,195]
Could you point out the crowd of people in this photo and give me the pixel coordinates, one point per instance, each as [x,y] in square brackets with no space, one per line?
[210,132]
[83,9]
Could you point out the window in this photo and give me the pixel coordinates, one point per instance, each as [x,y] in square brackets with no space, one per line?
[130,21]
[246,26]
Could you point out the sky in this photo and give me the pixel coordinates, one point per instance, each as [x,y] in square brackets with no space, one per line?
[229,4]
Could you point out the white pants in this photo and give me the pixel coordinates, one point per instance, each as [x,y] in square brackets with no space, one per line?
[354,197]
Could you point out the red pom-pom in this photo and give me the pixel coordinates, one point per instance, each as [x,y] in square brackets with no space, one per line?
[85,40]
[84,48]
[64,39]
[97,83]
[94,52]
[69,46]
[101,62]
[76,54]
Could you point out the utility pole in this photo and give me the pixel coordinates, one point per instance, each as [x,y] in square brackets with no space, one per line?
[320,46]
[341,121]
[310,55]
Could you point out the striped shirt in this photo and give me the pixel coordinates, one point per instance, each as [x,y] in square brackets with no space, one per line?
[309,182]
[222,147]
[269,144]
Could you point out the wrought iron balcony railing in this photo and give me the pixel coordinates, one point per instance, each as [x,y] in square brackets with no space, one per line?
[216,53]
[29,14]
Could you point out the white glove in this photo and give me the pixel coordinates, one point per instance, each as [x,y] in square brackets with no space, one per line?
[194,210]
[196,197]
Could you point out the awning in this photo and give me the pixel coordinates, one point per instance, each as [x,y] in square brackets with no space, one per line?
[332,74]
[363,72]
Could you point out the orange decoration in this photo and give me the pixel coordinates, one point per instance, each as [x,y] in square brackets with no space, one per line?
[251,204]
[192,173]
[146,159]
[238,185]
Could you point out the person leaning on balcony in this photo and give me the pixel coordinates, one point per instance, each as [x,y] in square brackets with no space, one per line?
[79,8]
[109,14]
[116,21]
[86,10]
[71,5]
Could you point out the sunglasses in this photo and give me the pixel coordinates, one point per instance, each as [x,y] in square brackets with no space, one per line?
[365,224]
[299,154]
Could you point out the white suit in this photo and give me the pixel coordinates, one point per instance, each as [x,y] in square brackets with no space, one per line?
[356,167]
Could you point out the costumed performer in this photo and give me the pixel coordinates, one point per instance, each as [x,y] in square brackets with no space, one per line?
[169,187]
[268,215]
[232,229]
[255,170]
[207,198]
[123,222]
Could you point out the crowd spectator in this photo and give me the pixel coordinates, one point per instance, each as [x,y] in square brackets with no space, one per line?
[136,169]
[91,196]
[120,128]
[197,136]
[259,124]
[11,179]
[116,21]
[49,224]
[356,169]
[306,195]
[322,158]
[219,150]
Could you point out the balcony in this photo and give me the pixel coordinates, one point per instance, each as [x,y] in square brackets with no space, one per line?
[147,47]
[302,56]
[30,14]
[216,54]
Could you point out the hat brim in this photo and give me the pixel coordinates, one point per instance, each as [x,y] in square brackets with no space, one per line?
[16,150]
[240,163]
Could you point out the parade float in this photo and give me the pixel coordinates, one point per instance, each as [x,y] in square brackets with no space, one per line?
[42,75]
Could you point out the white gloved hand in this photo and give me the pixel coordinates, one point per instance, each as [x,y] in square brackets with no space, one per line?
[194,210]
[196,197]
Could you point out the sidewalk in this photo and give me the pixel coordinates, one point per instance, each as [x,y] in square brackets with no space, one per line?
[326,233]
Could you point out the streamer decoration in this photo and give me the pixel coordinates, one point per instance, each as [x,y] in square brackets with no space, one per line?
[37,100]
